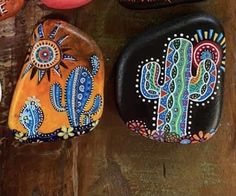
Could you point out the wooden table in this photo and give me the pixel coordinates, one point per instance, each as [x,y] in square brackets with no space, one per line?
[112,160]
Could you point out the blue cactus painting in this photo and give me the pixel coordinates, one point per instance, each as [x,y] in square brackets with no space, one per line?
[78,91]
[31,116]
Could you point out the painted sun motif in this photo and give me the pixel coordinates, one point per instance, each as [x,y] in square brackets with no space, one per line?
[47,54]
[210,45]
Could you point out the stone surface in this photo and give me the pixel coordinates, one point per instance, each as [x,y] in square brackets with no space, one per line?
[10,8]
[68,4]
[149,4]
[112,160]
[170,80]
[60,91]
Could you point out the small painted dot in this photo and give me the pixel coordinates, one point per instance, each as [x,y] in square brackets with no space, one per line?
[212,98]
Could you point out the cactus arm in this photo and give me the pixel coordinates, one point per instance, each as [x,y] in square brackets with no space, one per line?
[56,97]
[85,119]
[97,104]
[203,84]
[94,61]
[149,86]
[78,90]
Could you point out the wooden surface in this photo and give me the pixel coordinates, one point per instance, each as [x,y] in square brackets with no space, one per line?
[112,160]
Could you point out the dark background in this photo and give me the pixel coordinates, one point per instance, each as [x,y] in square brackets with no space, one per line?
[112,160]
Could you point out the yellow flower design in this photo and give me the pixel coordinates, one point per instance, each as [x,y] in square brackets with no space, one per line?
[20,137]
[66,133]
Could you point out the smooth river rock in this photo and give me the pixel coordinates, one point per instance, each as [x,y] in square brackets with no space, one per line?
[151,4]
[65,4]
[170,80]
[9,8]
[59,93]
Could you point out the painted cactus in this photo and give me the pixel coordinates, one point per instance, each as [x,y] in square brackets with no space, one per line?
[78,90]
[178,86]
[31,116]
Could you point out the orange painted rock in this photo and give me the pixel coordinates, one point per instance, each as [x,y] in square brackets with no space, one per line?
[10,8]
[65,4]
[60,90]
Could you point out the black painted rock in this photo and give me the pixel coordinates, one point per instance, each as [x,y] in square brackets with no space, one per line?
[149,4]
[170,80]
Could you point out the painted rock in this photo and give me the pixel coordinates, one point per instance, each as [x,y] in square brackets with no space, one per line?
[60,90]
[66,4]
[170,80]
[149,4]
[10,8]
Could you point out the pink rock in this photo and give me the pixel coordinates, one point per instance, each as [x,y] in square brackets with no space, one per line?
[65,4]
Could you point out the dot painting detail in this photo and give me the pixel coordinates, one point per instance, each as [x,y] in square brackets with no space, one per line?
[176,89]
[61,85]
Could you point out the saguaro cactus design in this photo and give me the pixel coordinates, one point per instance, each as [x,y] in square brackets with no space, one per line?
[78,91]
[174,86]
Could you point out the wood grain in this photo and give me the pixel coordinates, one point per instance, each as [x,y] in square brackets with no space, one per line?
[112,160]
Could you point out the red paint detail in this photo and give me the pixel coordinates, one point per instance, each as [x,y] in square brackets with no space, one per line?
[161,109]
[163,93]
